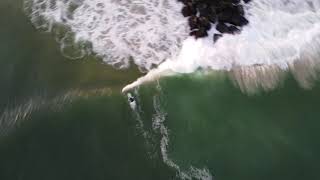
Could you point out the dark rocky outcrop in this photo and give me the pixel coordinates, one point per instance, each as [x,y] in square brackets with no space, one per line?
[216,37]
[228,15]
[201,32]
[230,29]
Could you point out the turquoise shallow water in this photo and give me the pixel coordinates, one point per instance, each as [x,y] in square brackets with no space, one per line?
[66,119]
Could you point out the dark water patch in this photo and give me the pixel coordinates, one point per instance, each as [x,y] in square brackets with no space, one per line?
[91,138]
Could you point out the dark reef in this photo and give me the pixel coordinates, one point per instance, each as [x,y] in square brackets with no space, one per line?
[227,15]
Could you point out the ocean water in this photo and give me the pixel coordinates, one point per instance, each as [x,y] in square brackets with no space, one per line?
[214,127]
[63,116]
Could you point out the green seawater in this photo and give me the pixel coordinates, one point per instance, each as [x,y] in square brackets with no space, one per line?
[63,119]
[77,124]
[267,136]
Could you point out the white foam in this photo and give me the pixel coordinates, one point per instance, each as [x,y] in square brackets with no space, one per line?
[280,33]
[147,30]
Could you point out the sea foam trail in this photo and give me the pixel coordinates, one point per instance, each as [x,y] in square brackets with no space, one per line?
[281,36]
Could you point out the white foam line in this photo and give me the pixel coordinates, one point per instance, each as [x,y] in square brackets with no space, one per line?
[153,75]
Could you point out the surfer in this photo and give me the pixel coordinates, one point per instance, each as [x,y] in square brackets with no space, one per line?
[131,99]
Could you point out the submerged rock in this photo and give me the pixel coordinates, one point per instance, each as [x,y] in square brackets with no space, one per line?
[230,29]
[228,14]
[188,10]
[204,23]
[193,22]
[199,33]
[216,37]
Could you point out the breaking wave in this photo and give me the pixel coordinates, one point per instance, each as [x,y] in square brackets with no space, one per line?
[281,36]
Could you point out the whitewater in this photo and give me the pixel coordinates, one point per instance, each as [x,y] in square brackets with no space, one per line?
[281,36]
